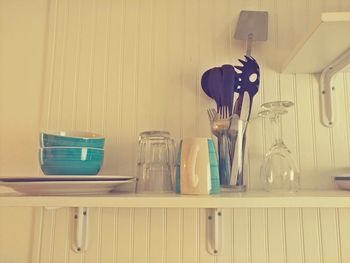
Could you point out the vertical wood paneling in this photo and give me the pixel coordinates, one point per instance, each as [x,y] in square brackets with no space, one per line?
[306,136]
[190,65]
[60,242]
[94,252]
[68,64]
[37,227]
[141,235]
[157,241]
[206,56]
[85,67]
[290,121]
[46,98]
[276,235]
[330,235]
[312,244]
[145,64]
[58,66]
[128,88]
[112,160]
[258,236]
[160,63]
[100,65]
[76,15]
[293,235]
[178,235]
[120,67]
[174,238]
[344,227]
[124,238]
[47,238]
[241,235]
[107,241]
[190,242]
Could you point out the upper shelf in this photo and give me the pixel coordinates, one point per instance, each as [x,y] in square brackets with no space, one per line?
[251,199]
[327,41]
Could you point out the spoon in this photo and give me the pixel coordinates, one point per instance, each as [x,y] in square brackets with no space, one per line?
[229,82]
[205,83]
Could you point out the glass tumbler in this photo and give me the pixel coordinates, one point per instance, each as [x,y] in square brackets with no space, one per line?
[155,162]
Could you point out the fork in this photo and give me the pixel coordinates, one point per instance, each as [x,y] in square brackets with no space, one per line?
[220,123]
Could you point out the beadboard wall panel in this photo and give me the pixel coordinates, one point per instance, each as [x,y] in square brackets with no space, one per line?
[119,67]
[178,235]
[122,67]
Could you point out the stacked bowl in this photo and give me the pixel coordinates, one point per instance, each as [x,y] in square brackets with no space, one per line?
[71,153]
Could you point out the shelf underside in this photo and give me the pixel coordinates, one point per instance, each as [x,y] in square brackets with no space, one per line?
[321,46]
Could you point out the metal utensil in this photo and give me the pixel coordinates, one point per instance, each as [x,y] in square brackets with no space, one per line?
[220,123]
[238,160]
[211,114]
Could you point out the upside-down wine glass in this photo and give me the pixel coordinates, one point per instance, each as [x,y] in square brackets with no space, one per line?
[278,171]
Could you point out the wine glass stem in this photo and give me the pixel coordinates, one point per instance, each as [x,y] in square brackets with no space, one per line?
[276,129]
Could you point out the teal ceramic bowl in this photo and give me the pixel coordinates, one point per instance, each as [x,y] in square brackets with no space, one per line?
[72,139]
[70,160]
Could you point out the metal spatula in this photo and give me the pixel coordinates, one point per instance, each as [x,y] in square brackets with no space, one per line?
[252,26]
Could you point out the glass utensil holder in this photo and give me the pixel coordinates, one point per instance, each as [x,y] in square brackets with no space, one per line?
[232,156]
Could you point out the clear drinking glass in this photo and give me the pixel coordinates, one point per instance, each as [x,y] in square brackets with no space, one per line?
[278,170]
[155,162]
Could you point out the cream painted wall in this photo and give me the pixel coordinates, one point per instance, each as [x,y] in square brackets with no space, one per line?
[120,67]
[22,49]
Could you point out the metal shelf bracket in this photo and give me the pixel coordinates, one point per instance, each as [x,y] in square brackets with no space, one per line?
[80,233]
[327,89]
[214,230]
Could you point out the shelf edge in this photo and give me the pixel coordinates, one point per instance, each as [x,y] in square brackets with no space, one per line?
[331,201]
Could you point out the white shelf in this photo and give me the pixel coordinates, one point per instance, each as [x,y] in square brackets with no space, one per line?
[327,41]
[251,199]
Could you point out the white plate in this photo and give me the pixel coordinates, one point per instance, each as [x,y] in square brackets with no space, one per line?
[66,187]
[343,183]
[51,178]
